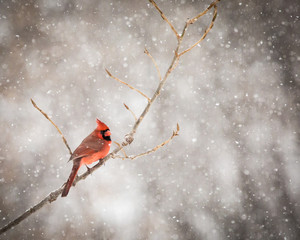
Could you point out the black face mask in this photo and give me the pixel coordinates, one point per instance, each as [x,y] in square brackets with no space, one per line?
[107,138]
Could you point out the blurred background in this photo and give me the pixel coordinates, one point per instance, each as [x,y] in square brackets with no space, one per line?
[232,173]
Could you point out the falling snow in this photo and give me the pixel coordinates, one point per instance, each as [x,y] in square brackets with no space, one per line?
[233,171]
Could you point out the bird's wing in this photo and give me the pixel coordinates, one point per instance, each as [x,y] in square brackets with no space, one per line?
[90,145]
[81,152]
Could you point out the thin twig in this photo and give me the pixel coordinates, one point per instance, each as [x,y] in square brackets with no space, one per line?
[175,133]
[46,116]
[194,19]
[205,33]
[165,18]
[128,85]
[157,68]
[121,148]
[135,118]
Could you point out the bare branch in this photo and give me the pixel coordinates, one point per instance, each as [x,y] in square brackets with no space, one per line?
[135,118]
[128,85]
[165,18]
[157,68]
[46,116]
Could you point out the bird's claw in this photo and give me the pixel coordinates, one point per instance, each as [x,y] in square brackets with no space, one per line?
[100,160]
[88,169]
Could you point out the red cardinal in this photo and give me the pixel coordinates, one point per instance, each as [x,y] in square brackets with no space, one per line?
[94,147]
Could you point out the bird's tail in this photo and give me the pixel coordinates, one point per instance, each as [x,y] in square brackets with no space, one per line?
[76,166]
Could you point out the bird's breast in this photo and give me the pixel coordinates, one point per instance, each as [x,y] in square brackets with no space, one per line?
[97,155]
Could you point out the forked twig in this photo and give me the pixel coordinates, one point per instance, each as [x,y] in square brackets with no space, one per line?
[122,149]
[128,85]
[154,62]
[194,19]
[205,33]
[165,18]
[46,116]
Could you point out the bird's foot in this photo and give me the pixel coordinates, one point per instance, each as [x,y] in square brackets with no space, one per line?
[100,161]
[88,169]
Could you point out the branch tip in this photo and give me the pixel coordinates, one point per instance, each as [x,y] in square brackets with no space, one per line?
[207,30]
[126,106]
[164,18]
[155,64]
[48,118]
[108,72]
[135,118]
